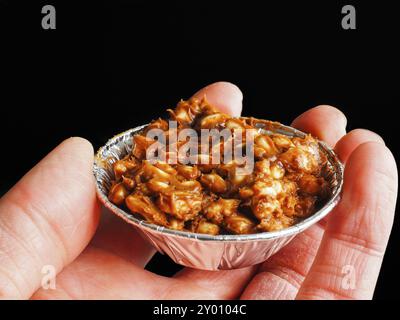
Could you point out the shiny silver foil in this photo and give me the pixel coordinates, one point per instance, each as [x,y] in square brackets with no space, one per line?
[202,251]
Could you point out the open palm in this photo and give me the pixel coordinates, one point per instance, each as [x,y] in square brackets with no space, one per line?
[52,218]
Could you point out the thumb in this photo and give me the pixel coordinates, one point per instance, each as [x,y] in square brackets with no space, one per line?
[47,218]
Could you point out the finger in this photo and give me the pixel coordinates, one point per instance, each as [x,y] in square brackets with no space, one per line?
[47,218]
[324,122]
[223,95]
[226,284]
[349,259]
[347,144]
[282,275]
[352,140]
[99,274]
[121,239]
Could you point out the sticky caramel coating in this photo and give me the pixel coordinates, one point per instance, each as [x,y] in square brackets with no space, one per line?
[286,185]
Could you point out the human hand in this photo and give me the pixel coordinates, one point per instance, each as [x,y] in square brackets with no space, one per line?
[50,217]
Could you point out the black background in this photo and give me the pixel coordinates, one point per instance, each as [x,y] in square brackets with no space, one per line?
[113,65]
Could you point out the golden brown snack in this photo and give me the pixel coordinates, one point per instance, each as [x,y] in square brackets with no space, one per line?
[213,196]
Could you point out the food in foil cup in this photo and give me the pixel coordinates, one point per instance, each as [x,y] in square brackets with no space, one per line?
[213,252]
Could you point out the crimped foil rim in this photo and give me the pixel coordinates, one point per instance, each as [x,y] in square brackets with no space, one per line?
[105,152]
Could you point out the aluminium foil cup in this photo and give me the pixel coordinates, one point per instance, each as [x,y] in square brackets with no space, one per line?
[203,251]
